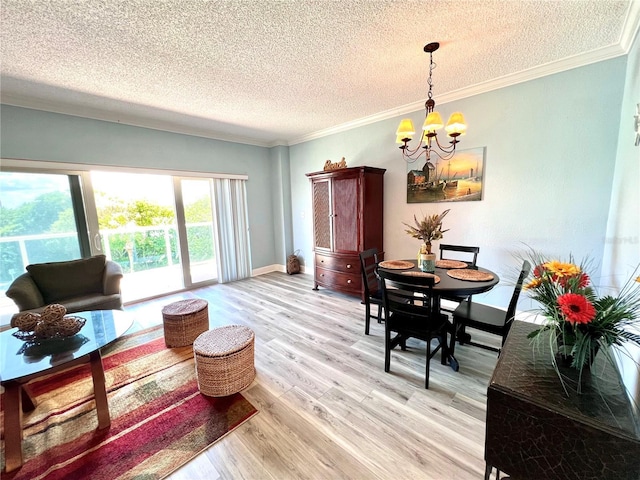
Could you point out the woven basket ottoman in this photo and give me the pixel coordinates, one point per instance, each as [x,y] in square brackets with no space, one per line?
[224,360]
[184,320]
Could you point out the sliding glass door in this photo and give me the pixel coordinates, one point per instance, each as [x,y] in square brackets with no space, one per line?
[137,220]
[159,228]
[41,220]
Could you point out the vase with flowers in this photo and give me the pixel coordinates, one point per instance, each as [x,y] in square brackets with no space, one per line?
[428,229]
[581,322]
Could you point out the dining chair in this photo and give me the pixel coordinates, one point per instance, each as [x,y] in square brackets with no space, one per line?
[488,319]
[461,252]
[371,284]
[410,312]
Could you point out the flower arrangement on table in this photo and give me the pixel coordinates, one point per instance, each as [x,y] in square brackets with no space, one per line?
[583,322]
[428,229]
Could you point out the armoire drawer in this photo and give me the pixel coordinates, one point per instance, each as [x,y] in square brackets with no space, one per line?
[343,281]
[341,264]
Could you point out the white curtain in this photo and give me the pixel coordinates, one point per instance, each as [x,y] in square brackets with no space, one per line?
[233,255]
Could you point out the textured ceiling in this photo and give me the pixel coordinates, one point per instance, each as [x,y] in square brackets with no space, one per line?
[269,72]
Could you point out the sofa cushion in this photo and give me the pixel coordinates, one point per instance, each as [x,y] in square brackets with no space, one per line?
[60,280]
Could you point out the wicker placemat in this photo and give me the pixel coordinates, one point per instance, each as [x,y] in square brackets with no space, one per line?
[396,265]
[436,278]
[450,264]
[470,275]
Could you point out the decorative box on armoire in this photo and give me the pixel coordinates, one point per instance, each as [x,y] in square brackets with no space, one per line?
[347,219]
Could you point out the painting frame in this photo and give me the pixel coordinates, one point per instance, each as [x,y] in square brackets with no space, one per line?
[458,179]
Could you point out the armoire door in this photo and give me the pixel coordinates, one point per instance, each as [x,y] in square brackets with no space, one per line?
[345,215]
[322,214]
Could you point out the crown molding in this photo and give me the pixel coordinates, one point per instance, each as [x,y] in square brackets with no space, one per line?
[477,89]
[126,119]
[631,26]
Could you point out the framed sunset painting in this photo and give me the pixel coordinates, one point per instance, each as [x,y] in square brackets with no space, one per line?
[459,179]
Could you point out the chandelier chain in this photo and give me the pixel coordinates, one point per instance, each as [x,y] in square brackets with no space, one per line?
[432,65]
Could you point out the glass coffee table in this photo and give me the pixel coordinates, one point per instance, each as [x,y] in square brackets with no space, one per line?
[22,361]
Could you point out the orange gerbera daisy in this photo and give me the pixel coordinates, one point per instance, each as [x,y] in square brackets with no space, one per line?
[576,308]
[536,282]
[560,269]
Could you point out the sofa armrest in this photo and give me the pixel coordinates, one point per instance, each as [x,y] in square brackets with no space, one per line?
[24,292]
[112,276]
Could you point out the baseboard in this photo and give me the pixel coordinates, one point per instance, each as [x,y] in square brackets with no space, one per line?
[276,267]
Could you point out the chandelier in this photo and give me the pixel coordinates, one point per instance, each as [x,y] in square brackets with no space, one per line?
[433,122]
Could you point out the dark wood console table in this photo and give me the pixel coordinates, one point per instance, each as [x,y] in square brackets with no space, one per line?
[534,430]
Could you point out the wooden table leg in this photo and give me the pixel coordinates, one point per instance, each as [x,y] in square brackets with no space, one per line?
[28,404]
[450,347]
[12,425]
[100,390]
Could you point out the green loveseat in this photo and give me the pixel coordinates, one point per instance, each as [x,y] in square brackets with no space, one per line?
[86,284]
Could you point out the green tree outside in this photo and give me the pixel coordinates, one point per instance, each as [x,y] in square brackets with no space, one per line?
[53,213]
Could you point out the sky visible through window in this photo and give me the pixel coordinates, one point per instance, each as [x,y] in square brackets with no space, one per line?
[19,188]
[157,189]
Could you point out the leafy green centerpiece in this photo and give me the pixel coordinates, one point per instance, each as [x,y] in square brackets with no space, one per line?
[581,322]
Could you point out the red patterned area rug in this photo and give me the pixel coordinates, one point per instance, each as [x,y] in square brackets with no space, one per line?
[159,420]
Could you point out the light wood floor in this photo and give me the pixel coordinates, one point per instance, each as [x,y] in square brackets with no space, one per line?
[327,408]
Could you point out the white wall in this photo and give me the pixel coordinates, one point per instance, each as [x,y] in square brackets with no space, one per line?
[551,153]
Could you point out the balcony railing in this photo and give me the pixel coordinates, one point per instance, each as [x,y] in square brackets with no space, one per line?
[149,254]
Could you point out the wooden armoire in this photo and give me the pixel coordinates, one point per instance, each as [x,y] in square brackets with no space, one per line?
[347,219]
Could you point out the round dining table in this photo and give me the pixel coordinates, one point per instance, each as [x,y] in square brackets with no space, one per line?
[446,286]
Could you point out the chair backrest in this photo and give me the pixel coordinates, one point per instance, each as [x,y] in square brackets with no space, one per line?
[407,295]
[511,310]
[368,263]
[460,248]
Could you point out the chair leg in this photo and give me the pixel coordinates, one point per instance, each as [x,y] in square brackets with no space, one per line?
[379,313]
[454,334]
[387,350]
[426,375]
[443,347]
[462,336]
[367,318]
